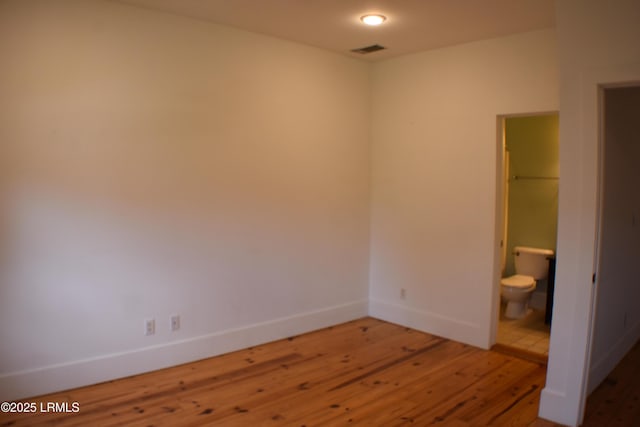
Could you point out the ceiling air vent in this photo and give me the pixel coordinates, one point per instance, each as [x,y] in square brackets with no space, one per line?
[368,49]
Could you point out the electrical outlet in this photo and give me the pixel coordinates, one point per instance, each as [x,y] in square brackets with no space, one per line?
[175,322]
[149,326]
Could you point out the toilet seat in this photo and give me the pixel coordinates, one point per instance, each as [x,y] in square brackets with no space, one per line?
[519,282]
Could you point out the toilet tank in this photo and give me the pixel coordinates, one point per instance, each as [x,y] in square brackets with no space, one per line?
[532,261]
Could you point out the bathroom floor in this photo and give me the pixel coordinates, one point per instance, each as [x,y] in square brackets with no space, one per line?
[529,333]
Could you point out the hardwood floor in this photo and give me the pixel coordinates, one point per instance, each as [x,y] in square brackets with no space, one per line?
[616,402]
[366,372]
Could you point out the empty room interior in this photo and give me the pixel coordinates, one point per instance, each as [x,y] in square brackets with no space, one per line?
[181,180]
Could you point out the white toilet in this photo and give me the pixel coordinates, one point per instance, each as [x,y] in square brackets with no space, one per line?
[531,264]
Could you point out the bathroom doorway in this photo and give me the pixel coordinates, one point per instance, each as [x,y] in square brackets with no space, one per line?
[527,214]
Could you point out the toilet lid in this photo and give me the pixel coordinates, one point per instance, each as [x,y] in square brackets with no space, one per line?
[518,281]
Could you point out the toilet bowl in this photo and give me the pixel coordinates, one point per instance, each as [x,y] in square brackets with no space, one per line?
[516,291]
[531,264]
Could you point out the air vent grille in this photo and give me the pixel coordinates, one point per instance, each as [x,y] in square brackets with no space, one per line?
[368,49]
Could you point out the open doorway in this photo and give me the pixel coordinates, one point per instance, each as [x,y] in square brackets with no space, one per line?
[616,318]
[528,161]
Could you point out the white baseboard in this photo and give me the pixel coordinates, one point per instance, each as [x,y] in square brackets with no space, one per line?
[431,323]
[603,367]
[49,379]
[553,407]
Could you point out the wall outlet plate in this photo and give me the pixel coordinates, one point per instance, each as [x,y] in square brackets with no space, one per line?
[175,322]
[149,326]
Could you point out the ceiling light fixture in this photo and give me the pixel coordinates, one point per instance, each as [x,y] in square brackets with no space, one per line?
[373,19]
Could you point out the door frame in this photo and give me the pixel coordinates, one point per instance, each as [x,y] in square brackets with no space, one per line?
[588,385]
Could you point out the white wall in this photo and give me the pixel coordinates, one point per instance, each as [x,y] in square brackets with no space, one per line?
[597,44]
[434,143]
[155,165]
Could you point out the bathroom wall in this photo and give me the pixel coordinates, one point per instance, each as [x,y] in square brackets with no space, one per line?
[156,165]
[532,142]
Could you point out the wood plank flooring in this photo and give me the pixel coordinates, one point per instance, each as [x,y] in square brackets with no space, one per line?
[616,402]
[366,372]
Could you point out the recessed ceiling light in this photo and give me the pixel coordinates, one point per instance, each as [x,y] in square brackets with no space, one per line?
[373,19]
